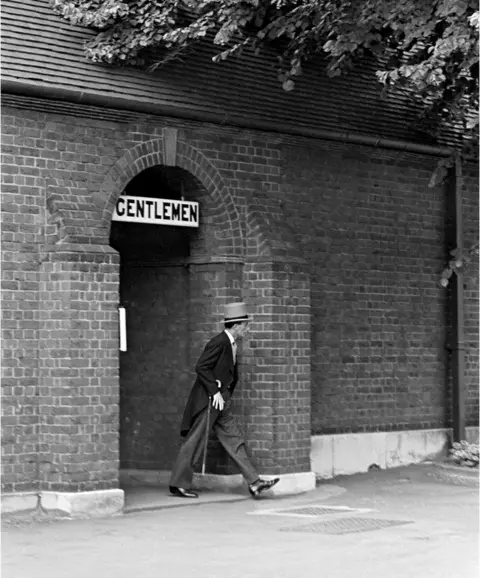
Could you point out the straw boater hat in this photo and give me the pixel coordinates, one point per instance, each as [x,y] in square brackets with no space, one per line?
[236,312]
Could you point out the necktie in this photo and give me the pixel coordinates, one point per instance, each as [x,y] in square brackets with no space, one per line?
[234,351]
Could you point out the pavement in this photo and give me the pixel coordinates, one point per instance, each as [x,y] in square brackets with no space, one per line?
[418,521]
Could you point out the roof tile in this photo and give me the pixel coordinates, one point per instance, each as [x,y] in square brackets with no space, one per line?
[40,49]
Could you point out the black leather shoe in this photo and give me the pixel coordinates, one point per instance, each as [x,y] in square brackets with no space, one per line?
[182,493]
[261,485]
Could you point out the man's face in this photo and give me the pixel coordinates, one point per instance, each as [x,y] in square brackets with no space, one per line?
[242,329]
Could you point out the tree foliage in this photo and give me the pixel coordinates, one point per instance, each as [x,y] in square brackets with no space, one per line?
[427,46]
[459,261]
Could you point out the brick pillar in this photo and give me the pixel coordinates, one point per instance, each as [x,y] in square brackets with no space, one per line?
[213,283]
[277,381]
[19,367]
[79,389]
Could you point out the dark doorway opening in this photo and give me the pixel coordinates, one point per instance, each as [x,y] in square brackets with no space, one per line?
[155,371]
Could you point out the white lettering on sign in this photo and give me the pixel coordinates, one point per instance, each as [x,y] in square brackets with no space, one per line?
[156,211]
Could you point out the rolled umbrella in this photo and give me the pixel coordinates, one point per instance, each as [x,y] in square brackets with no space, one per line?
[206,436]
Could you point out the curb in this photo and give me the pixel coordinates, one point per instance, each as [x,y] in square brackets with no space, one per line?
[463,470]
[461,475]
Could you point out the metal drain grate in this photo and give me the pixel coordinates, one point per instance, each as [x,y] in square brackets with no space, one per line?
[313,511]
[347,525]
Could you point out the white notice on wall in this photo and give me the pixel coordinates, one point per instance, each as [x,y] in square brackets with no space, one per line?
[156,211]
[122,319]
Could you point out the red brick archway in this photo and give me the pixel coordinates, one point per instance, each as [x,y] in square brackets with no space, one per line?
[151,153]
[215,276]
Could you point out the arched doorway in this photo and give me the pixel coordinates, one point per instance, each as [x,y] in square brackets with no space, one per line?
[207,265]
[155,370]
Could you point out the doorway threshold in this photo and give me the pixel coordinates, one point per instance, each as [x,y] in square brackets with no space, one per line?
[140,498]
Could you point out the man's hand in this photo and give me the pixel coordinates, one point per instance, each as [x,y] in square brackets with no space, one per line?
[218,401]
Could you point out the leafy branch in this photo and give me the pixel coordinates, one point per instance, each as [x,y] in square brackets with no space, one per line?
[428,47]
[460,259]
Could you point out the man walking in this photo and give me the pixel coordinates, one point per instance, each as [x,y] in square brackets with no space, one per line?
[216,380]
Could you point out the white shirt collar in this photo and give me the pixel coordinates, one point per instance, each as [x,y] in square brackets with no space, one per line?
[230,336]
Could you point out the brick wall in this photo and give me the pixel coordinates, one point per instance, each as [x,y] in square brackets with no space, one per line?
[471,212]
[22,218]
[276,396]
[211,286]
[350,235]
[373,233]
[78,378]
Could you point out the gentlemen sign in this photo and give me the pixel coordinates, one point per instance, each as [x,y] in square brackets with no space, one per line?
[156,211]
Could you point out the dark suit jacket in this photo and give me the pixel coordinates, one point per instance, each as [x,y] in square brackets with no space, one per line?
[216,362]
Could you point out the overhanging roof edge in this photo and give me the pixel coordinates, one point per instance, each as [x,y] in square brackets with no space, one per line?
[49,92]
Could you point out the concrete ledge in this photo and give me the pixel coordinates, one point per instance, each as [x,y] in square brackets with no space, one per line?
[344,454]
[83,504]
[290,484]
[19,502]
[296,483]
[472,435]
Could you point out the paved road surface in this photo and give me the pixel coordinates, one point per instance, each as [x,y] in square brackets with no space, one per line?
[242,539]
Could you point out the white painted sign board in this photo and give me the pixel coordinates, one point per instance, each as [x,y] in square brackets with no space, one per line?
[156,211]
[123,328]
